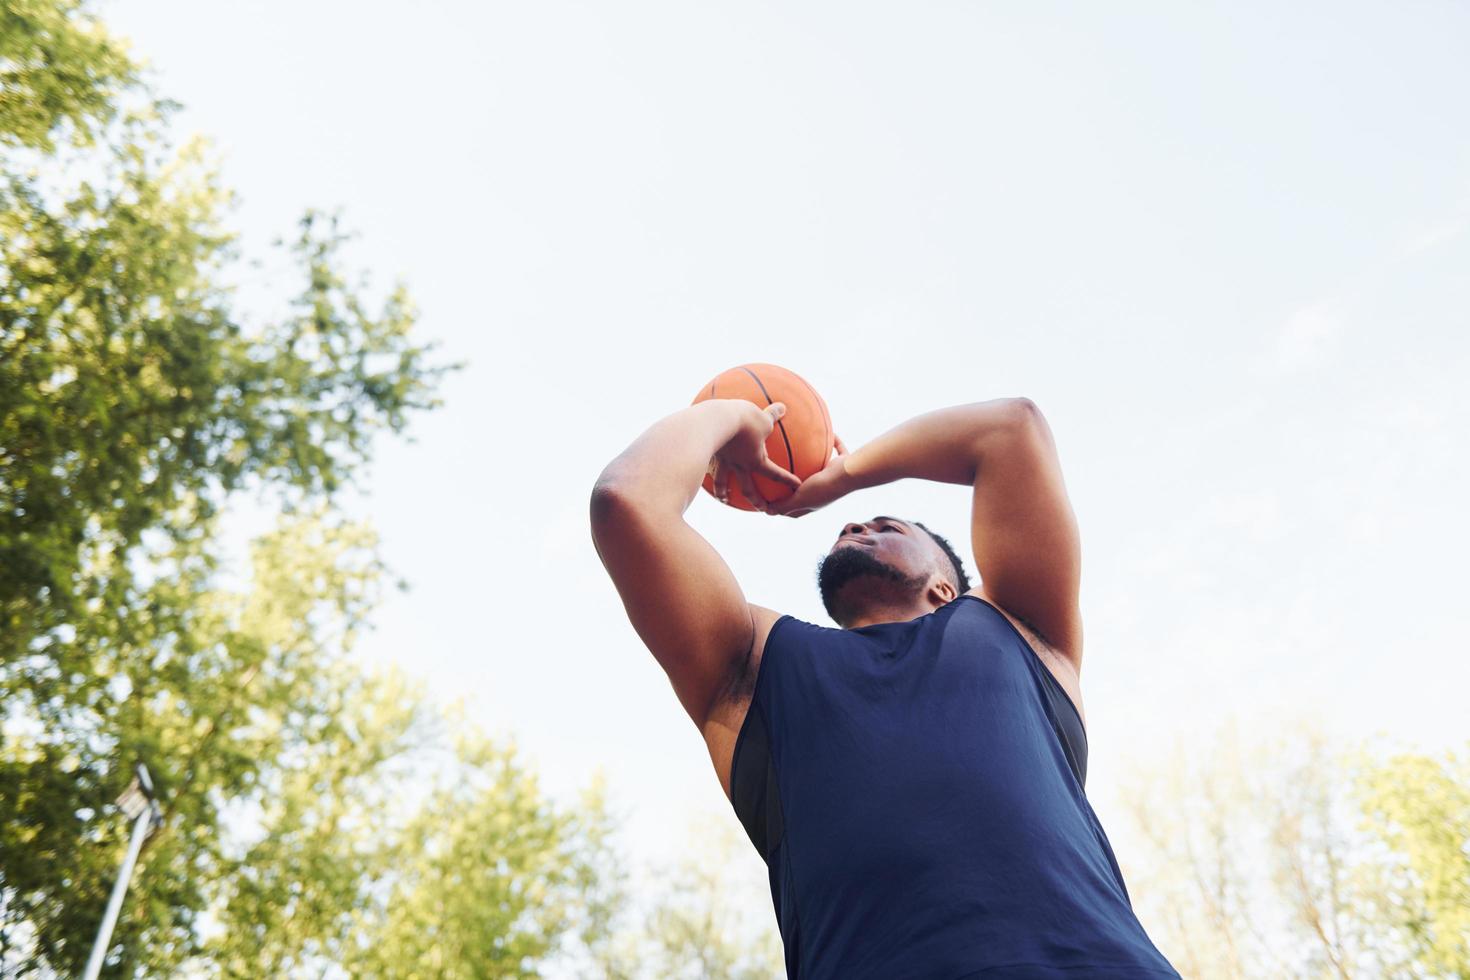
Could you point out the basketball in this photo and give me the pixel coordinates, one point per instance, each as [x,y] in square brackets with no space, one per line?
[802,439]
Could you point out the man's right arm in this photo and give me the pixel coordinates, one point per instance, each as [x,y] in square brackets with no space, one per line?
[680,595]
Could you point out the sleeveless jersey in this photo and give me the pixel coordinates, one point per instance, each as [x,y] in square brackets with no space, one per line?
[916,792]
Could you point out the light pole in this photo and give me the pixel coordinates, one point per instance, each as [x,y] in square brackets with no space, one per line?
[138,803]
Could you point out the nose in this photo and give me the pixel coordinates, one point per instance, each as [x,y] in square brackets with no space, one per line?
[854,528]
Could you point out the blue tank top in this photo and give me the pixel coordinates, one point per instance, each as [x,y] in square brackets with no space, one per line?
[916,792]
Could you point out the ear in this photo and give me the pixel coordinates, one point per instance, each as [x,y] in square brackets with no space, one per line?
[941,591]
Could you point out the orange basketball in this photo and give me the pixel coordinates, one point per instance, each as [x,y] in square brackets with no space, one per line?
[802,439]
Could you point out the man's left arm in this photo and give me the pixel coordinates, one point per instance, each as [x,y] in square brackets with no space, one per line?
[1024,533]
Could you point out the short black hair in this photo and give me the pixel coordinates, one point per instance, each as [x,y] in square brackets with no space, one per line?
[961,579]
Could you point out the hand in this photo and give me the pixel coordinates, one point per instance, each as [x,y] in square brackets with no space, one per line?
[819,489]
[745,455]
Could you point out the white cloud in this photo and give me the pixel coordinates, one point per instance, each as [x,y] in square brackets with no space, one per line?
[1305,338]
[1437,234]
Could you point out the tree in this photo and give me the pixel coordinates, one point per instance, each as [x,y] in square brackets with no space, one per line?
[318,820]
[62,73]
[488,878]
[132,404]
[1418,807]
[707,916]
[1288,856]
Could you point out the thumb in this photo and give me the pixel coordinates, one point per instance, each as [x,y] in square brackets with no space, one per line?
[775,410]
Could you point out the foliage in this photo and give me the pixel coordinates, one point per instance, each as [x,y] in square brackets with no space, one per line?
[1419,807]
[488,878]
[1292,857]
[131,399]
[706,917]
[319,817]
[314,815]
[62,73]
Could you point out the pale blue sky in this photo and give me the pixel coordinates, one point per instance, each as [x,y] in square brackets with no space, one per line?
[1225,247]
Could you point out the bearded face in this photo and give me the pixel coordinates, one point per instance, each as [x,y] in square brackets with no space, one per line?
[885,562]
[851,577]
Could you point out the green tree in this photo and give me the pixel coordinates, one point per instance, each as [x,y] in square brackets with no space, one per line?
[133,401]
[1291,856]
[317,819]
[1418,806]
[707,916]
[489,878]
[61,75]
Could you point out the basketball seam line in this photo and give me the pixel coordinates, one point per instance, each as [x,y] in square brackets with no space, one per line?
[790,458]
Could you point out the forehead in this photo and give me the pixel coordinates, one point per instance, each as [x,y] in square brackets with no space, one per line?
[909,526]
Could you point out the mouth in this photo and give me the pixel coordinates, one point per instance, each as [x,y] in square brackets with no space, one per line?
[850,540]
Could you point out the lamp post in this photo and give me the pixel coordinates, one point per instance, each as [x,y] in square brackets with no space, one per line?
[138,803]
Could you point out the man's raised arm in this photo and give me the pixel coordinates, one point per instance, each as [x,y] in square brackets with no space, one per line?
[1024,533]
[680,595]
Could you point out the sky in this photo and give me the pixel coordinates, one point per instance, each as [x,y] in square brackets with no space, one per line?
[1225,247]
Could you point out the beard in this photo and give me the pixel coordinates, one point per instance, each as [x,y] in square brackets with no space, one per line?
[838,570]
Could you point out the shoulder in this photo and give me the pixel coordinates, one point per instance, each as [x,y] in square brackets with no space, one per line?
[727,715]
[1057,663]
[1038,640]
[739,683]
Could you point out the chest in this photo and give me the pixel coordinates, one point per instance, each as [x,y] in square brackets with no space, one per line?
[848,702]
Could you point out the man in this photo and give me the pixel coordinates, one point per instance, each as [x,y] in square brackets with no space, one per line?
[913,780]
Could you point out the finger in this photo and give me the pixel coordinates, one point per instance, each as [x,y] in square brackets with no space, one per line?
[747,487]
[839,445]
[791,506]
[775,410]
[775,471]
[721,482]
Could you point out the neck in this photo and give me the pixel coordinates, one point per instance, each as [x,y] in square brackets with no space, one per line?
[898,612]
